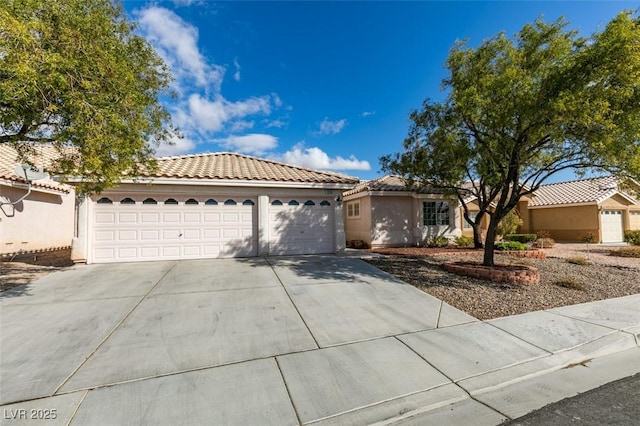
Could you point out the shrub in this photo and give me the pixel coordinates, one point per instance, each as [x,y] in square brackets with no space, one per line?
[543,243]
[521,238]
[578,260]
[632,237]
[543,234]
[626,252]
[463,241]
[589,238]
[436,241]
[510,245]
[509,224]
[569,282]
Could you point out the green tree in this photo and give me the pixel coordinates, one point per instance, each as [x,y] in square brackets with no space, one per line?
[75,75]
[519,110]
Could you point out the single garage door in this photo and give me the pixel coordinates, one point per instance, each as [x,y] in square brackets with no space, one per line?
[162,228]
[612,229]
[301,226]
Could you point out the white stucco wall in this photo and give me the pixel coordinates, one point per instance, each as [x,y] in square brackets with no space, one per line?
[42,221]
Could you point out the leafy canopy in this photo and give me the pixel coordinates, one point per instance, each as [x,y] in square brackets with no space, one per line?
[518,110]
[74,74]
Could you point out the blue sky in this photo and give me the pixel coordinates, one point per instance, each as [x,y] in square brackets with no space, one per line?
[327,85]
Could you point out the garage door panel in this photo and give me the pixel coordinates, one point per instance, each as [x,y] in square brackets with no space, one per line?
[106,218]
[150,217]
[150,234]
[127,253]
[612,227]
[105,236]
[212,217]
[301,229]
[127,235]
[191,234]
[150,252]
[155,232]
[192,217]
[170,217]
[129,217]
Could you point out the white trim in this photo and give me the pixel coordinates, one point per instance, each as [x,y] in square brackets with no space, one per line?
[35,187]
[553,206]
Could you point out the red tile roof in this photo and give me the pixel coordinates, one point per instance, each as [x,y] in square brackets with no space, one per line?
[594,190]
[231,166]
[45,157]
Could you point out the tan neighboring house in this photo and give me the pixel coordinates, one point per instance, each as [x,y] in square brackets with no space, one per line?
[384,213]
[41,221]
[214,205]
[571,210]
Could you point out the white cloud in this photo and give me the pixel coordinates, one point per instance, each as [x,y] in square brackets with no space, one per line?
[211,116]
[236,76]
[253,143]
[367,113]
[278,124]
[316,158]
[180,146]
[328,127]
[241,125]
[177,43]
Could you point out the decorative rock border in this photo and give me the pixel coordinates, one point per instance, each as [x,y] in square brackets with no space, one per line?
[533,254]
[512,274]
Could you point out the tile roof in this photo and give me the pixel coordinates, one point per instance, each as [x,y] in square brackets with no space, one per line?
[593,190]
[231,166]
[384,183]
[45,157]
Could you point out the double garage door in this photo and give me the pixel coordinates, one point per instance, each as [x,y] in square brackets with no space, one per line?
[163,228]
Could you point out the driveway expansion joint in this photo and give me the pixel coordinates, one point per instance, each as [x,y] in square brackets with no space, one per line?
[112,331]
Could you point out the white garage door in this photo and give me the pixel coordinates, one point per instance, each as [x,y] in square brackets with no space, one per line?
[611,222]
[301,226]
[147,228]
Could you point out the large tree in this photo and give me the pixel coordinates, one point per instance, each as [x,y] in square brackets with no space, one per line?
[74,74]
[519,110]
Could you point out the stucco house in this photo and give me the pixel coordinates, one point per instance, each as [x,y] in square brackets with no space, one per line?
[41,220]
[214,205]
[571,210]
[384,213]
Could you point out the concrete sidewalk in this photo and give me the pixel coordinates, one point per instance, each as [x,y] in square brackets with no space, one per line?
[300,340]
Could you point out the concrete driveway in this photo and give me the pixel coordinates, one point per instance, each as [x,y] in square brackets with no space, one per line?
[299,340]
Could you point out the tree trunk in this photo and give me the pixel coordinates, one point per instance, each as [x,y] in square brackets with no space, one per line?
[490,241]
[477,237]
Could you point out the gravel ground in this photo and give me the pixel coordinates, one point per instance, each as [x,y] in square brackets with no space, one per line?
[562,283]
[26,268]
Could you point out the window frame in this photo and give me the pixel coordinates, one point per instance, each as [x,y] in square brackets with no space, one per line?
[434,213]
[353,209]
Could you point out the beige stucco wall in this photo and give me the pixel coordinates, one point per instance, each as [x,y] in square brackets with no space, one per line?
[358,228]
[42,221]
[391,221]
[566,223]
[616,202]
[468,232]
[634,218]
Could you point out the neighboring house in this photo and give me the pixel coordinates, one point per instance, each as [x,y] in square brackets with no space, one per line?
[214,205]
[43,220]
[571,210]
[384,213]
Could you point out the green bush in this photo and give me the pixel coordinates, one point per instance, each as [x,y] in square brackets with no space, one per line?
[510,245]
[632,237]
[436,241]
[463,241]
[521,238]
[509,224]
[589,238]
